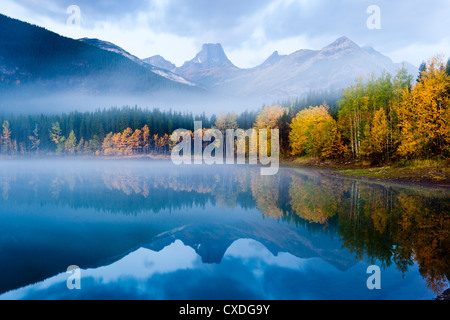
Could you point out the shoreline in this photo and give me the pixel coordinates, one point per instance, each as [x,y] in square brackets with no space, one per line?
[437,177]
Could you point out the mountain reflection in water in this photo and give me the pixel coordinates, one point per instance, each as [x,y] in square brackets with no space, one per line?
[137,228]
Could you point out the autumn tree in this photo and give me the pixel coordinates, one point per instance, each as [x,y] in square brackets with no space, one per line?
[93,145]
[56,136]
[80,146]
[34,139]
[70,143]
[136,142]
[268,117]
[226,121]
[424,114]
[146,142]
[108,145]
[375,145]
[126,144]
[7,144]
[351,110]
[315,133]
[361,105]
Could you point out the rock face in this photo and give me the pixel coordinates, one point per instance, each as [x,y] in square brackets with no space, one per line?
[212,55]
[210,67]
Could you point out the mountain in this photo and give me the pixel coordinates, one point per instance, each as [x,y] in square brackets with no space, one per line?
[35,62]
[160,62]
[335,66]
[163,72]
[108,46]
[274,58]
[282,76]
[209,67]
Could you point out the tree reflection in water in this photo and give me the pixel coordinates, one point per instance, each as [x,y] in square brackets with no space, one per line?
[387,225]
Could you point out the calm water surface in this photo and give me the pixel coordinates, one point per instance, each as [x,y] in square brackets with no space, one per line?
[152,230]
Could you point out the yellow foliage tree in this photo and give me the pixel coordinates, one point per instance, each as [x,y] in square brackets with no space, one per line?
[424,114]
[315,133]
[268,117]
[376,141]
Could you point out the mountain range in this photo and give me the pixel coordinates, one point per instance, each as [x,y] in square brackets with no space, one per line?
[161,71]
[282,76]
[37,63]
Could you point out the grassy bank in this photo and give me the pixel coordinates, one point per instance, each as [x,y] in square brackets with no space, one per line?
[433,172]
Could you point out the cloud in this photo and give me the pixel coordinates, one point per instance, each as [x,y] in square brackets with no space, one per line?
[249,30]
[100,9]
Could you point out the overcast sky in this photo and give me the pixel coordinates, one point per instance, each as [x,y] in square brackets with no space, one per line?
[249,30]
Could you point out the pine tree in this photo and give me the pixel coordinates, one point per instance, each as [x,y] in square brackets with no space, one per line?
[422,69]
[447,68]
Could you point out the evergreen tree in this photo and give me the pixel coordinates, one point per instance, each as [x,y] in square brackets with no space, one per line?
[447,68]
[422,69]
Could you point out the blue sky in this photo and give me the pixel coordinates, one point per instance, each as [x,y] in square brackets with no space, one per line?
[250,30]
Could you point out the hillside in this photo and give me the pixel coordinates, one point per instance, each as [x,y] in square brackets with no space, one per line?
[32,57]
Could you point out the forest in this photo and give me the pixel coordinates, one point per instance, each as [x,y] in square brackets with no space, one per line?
[379,119]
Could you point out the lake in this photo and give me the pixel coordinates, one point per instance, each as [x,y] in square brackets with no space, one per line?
[152,230]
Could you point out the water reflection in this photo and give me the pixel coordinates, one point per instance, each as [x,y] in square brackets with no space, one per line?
[178,272]
[97,214]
